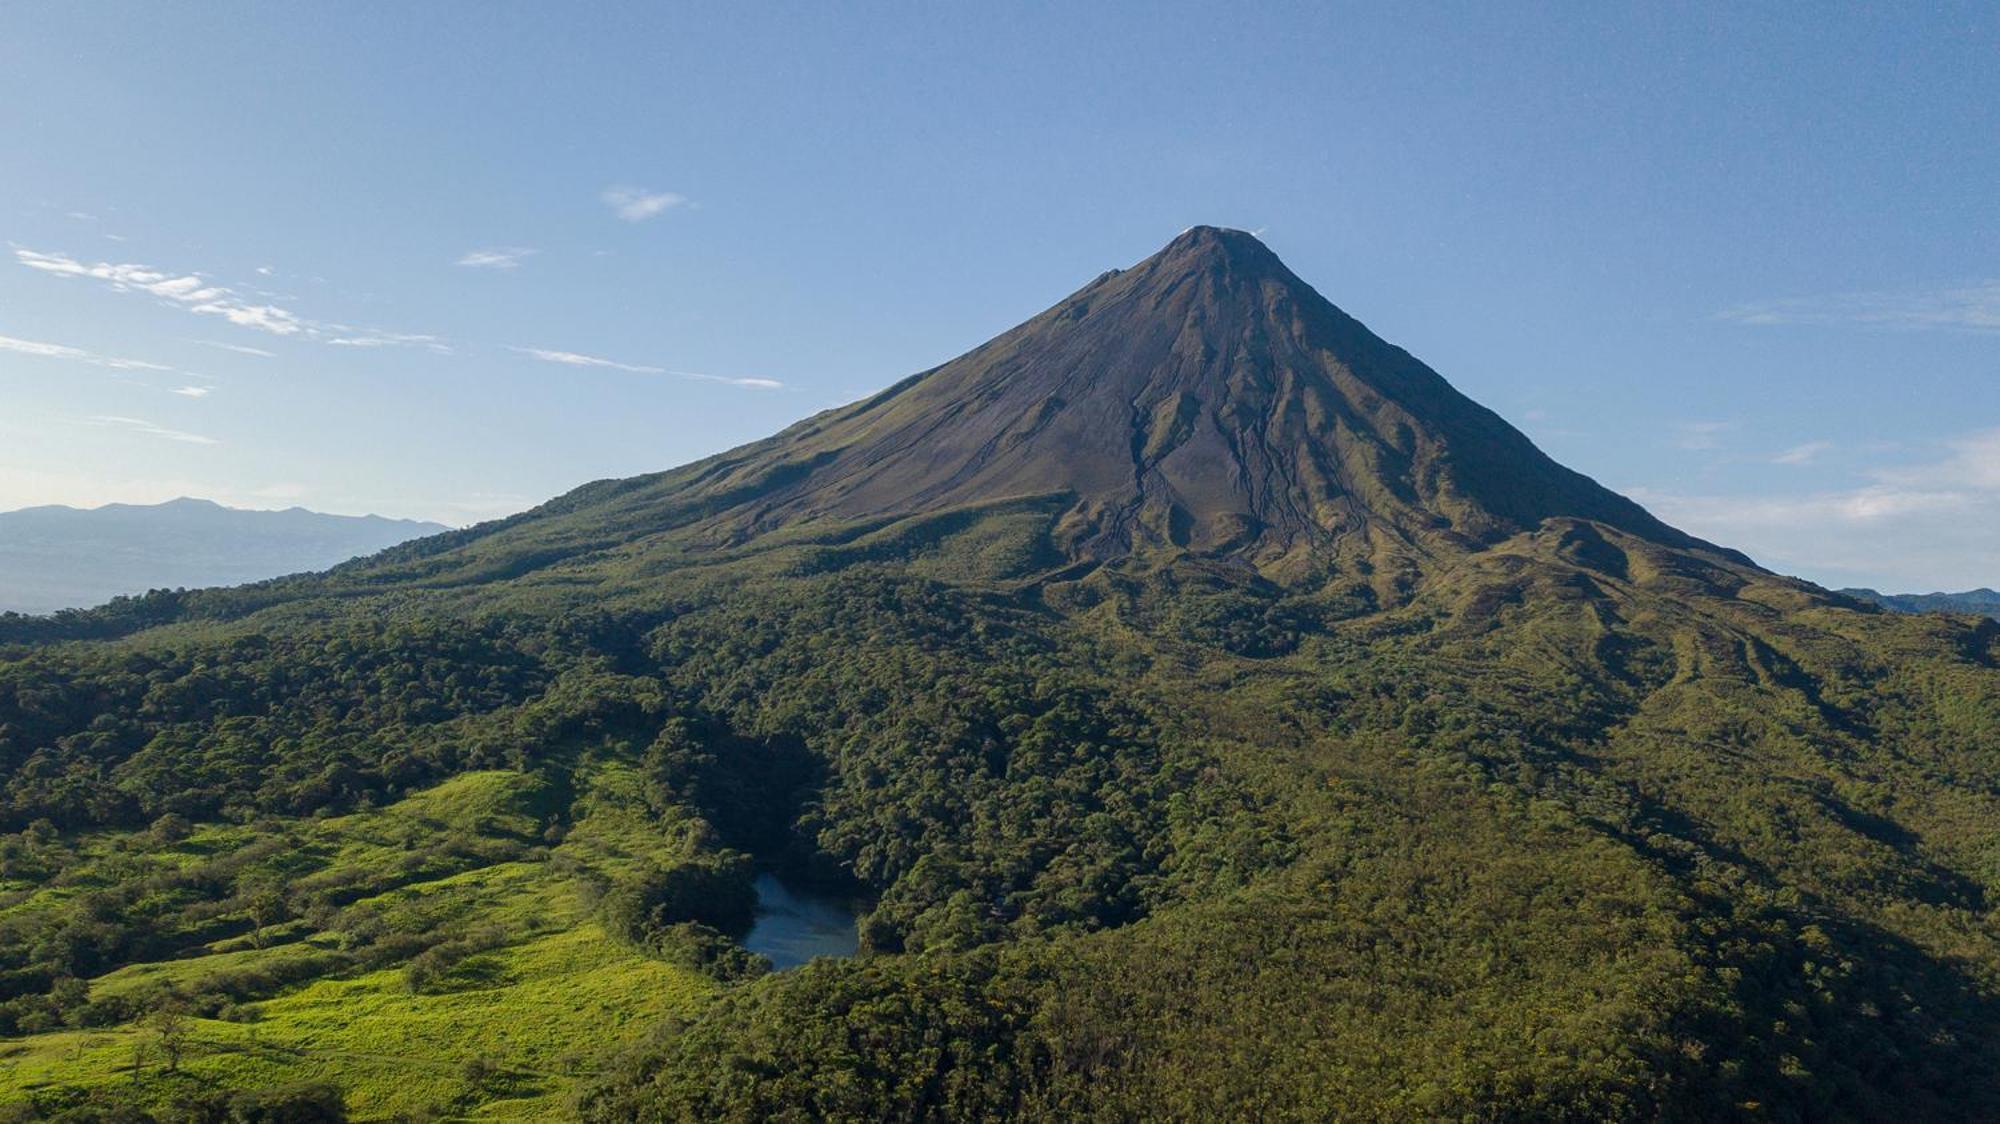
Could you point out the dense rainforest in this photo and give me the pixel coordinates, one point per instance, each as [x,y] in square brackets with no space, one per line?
[1217,715]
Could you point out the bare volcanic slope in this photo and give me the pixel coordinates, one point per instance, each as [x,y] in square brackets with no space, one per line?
[1206,398]
[1206,402]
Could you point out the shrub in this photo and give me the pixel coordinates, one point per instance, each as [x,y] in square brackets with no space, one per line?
[693,945]
[715,891]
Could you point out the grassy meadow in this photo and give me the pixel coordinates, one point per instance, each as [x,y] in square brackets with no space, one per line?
[501,1029]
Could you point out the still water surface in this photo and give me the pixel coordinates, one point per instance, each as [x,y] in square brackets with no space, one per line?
[796,923]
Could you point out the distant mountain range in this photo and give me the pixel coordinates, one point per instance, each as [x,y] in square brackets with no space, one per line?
[67,558]
[1984,601]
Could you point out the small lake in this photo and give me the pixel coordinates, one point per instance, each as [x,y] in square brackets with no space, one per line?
[796,923]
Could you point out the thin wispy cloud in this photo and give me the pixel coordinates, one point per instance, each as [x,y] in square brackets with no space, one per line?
[1870,504]
[192,391]
[1974,306]
[239,349]
[499,257]
[263,317]
[746,382]
[76,355]
[1701,435]
[141,425]
[189,289]
[199,295]
[1803,454]
[1972,463]
[578,359]
[1915,526]
[637,204]
[390,339]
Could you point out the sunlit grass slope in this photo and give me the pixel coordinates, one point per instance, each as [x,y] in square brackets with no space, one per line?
[502,1032]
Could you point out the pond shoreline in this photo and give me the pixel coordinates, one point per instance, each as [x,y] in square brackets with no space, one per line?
[797,922]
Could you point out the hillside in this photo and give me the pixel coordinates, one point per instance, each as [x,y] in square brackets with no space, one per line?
[1219,715]
[70,558]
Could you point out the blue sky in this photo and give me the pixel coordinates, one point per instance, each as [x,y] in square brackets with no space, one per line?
[1742,262]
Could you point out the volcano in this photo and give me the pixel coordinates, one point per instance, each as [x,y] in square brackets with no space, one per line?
[1205,399]
[1204,403]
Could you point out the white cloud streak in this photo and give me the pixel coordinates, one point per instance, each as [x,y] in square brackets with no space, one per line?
[239,349]
[1974,306]
[188,288]
[733,380]
[192,391]
[499,257]
[637,204]
[389,339]
[76,355]
[140,425]
[577,359]
[199,295]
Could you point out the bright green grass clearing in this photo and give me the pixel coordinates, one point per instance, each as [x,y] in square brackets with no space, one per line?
[503,1035]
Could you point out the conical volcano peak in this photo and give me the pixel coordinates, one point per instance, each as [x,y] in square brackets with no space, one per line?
[1216,240]
[1203,249]
[1205,402]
